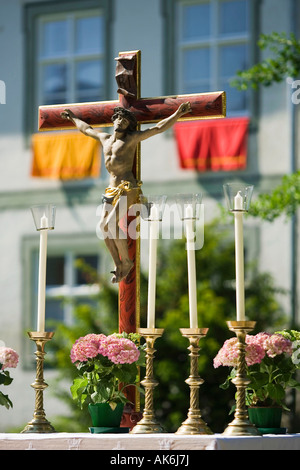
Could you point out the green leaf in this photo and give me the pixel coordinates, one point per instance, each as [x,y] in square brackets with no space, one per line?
[78,383]
[258,380]
[276,392]
[5,378]
[102,392]
[79,390]
[226,384]
[5,401]
[285,62]
[293,384]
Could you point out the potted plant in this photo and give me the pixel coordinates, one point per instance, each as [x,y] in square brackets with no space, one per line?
[272,360]
[8,358]
[106,366]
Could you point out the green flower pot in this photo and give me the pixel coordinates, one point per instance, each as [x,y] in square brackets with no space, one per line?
[103,416]
[266,419]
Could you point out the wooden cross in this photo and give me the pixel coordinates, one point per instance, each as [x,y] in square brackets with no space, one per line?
[146,110]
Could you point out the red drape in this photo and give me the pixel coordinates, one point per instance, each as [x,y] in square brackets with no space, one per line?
[215,145]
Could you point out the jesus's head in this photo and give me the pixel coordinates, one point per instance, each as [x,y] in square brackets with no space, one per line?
[128,115]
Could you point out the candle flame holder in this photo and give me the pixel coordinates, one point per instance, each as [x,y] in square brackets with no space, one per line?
[241,426]
[39,423]
[194,424]
[148,424]
[244,191]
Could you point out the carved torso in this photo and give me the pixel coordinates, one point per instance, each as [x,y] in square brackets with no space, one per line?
[119,156]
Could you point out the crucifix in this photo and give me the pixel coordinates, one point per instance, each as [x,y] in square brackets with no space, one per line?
[145,110]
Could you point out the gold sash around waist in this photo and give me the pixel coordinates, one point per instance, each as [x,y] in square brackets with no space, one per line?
[113,193]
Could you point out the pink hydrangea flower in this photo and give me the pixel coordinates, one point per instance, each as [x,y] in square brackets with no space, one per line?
[257,347]
[86,347]
[228,354]
[273,344]
[118,350]
[94,337]
[277,344]
[8,358]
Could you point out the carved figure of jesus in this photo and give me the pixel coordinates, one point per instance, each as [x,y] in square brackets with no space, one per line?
[119,151]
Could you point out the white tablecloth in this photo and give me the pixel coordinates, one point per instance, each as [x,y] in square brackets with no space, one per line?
[143,442]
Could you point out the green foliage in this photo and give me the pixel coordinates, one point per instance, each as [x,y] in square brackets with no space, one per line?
[216,305]
[103,381]
[283,200]
[284,62]
[269,382]
[103,318]
[270,379]
[5,379]
[99,381]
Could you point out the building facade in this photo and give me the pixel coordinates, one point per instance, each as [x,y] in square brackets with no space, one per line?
[63,51]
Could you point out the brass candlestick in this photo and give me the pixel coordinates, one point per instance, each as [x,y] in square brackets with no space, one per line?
[148,424]
[241,426]
[39,423]
[194,424]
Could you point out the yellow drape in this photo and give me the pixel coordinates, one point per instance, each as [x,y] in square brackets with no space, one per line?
[65,156]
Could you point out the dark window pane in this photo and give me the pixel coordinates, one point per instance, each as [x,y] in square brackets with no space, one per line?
[89,35]
[196,21]
[55,271]
[234,17]
[54,78]
[89,74]
[54,84]
[54,39]
[196,70]
[54,309]
[236,100]
[86,266]
[232,59]
[89,80]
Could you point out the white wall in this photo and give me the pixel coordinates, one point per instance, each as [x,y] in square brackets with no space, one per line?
[137,25]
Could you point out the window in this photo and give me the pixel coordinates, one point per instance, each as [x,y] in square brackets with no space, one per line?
[70,58]
[68,283]
[212,42]
[66,54]
[74,265]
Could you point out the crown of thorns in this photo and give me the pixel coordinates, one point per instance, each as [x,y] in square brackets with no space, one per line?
[127,114]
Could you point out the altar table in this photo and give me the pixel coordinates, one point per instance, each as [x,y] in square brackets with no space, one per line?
[166,442]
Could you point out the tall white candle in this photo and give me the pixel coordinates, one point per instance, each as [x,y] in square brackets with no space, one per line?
[239,258]
[191,261]
[42,275]
[153,236]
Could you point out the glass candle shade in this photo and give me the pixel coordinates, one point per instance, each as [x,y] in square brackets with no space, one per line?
[153,207]
[238,196]
[44,216]
[189,206]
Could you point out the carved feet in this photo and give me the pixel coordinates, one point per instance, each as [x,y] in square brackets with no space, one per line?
[122,271]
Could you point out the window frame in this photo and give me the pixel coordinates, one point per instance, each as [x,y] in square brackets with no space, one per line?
[58,245]
[171,56]
[69,290]
[31,15]
[70,57]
